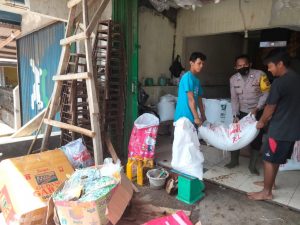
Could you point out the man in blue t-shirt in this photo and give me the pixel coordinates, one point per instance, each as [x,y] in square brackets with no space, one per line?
[190,92]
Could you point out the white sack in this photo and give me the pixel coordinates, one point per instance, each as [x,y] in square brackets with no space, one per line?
[232,137]
[166,107]
[294,162]
[218,111]
[146,120]
[186,155]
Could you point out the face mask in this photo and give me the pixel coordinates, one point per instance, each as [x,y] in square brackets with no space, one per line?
[244,70]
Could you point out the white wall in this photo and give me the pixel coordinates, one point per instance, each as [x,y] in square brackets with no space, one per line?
[33,21]
[39,14]
[156,35]
[58,8]
[225,17]
[221,51]
[54,8]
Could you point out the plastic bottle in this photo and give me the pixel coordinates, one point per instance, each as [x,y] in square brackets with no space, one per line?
[131,169]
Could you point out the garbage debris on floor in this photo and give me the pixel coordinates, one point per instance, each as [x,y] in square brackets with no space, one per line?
[141,212]
[89,197]
[78,154]
[178,218]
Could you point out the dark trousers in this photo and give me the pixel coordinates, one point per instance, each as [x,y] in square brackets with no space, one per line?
[257,142]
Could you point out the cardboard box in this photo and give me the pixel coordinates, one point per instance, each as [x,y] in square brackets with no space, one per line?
[28,182]
[101,211]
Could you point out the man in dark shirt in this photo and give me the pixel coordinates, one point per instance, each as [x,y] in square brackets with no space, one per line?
[282,110]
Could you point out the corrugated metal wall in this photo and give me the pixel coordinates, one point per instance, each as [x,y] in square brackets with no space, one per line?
[38,58]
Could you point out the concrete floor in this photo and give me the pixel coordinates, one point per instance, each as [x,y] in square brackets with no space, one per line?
[226,202]
[223,206]
[220,206]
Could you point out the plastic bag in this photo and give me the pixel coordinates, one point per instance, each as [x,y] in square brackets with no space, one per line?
[78,154]
[110,169]
[176,67]
[218,111]
[166,107]
[186,155]
[86,185]
[231,138]
[143,137]
[178,218]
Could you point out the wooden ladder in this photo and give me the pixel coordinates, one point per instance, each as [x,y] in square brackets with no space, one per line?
[74,106]
[109,64]
[87,76]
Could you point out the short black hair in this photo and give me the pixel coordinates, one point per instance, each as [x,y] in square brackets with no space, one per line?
[276,55]
[243,56]
[197,55]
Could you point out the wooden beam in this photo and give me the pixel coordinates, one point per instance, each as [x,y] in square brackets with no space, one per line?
[30,126]
[111,149]
[7,57]
[90,5]
[76,37]
[74,76]
[72,3]
[70,127]
[96,17]
[10,47]
[10,26]
[7,53]
[10,38]
[62,68]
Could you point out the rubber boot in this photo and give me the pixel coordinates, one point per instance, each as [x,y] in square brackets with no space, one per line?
[252,163]
[234,161]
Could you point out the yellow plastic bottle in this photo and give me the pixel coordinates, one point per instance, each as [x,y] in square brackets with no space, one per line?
[131,169]
[140,174]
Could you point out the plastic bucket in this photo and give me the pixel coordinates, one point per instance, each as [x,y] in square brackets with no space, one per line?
[157,178]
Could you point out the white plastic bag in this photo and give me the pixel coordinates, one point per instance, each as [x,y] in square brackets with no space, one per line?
[294,162]
[146,120]
[290,165]
[218,111]
[166,107]
[111,169]
[143,137]
[231,138]
[186,155]
[78,154]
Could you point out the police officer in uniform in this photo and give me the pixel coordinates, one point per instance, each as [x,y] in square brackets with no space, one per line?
[249,90]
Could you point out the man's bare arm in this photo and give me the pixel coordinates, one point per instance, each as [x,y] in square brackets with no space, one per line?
[266,116]
[192,105]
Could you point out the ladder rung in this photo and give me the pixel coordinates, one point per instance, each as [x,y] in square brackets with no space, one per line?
[105,22]
[73,38]
[79,55]
[72,3]
[70,127]
[102,38]
[103,31]
[72,76]
[76,64]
